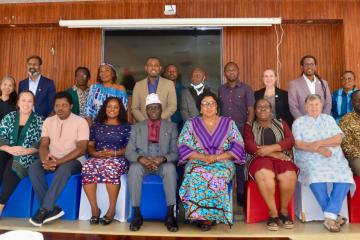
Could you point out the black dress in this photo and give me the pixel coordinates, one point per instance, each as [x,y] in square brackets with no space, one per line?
[6,107]
[281,104]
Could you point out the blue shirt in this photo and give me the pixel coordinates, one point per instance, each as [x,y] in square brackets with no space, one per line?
[33,85]
[153,87]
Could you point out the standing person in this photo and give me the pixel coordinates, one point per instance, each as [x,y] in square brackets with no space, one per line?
[276,96]
[237,102]
[190,97]
[350,125]
[19,137]
[80,91]
[171,72]
[309,83]
[42,87]
[321,161]
[105,87]
[64,138]
[8,96]
[341,98]
[208,147]
[153,83]
[152,150]
[109,136]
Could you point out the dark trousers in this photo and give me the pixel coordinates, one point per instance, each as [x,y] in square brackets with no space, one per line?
[9,179]
[47,195]
[240,182]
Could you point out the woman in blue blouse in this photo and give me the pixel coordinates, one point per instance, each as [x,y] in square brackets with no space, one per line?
[341,98]
[99,92]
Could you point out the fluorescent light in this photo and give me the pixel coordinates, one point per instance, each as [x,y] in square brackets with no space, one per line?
[168,22]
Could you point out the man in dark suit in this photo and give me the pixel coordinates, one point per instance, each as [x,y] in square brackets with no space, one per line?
[42,87]
[152,149]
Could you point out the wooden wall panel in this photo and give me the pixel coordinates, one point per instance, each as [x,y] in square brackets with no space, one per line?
[254,49]
[71,48]
[70,44]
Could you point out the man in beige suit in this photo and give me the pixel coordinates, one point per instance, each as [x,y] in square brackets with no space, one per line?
[153,83]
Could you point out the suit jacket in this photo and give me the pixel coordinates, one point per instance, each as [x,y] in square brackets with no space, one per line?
[44,96]
[298,91]
[281,104]
[166,92]
[138,144]
[188,107]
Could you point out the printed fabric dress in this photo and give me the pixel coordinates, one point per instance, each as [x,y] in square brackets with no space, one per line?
[97,96]
[314,167]
[204,191]
[107,170]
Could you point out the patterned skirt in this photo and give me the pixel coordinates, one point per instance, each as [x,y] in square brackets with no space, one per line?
[204,191]
[104,170]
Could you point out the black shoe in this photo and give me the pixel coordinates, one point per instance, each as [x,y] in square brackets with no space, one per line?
[38,219]
[56,213]
[171,224]
[105,220]
[136,223]
[95,219]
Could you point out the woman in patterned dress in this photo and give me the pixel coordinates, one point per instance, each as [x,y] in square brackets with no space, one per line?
[109,136]
[321,161]
[20,133]
[269,143]
[209,146]
[99,92]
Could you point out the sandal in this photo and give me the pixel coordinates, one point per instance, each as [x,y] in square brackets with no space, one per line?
[331,225]
[105,220]
[341,220]
[286,221]
[206,226]
[95,219]
[272,223]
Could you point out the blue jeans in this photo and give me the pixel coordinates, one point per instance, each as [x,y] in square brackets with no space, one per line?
[331,205]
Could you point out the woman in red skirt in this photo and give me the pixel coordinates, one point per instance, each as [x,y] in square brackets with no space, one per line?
[269,144]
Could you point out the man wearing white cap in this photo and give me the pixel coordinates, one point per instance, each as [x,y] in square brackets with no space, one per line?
[153,83]
[152,150]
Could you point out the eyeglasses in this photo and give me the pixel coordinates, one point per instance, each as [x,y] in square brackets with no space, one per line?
[262,107]
[309,64]
[208,104]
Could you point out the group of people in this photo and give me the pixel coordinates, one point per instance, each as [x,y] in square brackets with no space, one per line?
[103,132]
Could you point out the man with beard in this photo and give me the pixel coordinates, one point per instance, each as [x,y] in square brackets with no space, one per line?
[80,91]
[153,83]
[309,83]
[42,87]
[152,149]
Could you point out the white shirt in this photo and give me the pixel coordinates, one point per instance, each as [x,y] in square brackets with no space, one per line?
[311,84]
[33,85]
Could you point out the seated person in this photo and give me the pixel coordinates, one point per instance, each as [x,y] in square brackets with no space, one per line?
[321,161]
[269,143]
[62,151]
[350,125]
[19,138]
[152,150]
[109,136]
[209,146]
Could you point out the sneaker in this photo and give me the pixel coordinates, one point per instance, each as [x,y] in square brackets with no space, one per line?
[38,219]
[56,213]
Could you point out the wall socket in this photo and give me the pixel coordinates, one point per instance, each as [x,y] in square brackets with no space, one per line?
[170,10]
